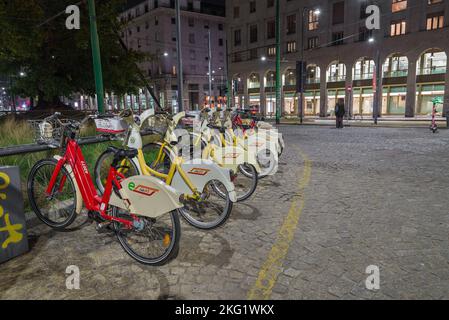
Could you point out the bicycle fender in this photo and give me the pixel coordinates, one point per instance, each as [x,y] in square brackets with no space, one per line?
[146,196]
[79,197]
[260,142]
[200,173]
[233,157]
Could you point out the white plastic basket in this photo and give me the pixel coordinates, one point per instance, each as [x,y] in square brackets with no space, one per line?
[111,125]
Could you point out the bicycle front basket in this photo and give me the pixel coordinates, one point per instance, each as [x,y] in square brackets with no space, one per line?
[111,125]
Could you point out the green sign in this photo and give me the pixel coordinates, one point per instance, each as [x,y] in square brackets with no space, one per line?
[437,100]
[13,236]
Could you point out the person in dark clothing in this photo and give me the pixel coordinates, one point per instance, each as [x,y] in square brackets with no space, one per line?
[340,113]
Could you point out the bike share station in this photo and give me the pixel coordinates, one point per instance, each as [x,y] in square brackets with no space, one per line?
[137,192]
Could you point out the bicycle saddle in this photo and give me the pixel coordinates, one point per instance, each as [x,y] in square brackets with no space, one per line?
[221,129]
[123,153]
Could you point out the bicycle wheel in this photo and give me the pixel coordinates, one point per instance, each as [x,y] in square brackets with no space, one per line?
[151,153]
[128,168]
[57,210]
[151,241]
[245,184]
[212,211]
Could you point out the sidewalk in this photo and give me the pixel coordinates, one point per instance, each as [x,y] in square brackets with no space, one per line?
[382,122]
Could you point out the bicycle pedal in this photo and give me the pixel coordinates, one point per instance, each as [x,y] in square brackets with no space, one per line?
[95,217]
[103,227]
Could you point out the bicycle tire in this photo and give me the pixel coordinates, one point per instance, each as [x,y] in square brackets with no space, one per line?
[98,166]
[170,254]
[32,196]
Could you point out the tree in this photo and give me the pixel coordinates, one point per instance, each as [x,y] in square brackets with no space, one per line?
[46,60]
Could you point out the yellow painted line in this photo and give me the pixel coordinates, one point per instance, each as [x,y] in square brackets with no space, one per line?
[272,267]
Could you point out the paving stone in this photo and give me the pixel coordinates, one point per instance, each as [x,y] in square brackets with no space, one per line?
[375,197]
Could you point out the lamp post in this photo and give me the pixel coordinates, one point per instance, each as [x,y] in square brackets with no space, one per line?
[96,56]
[303,65]
[278,62]
[377,83]
[179,50]
[209,48]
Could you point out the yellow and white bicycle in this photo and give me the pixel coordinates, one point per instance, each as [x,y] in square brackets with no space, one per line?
[207,190]
[242,163]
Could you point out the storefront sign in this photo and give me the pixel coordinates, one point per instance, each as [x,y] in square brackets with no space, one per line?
[13,236]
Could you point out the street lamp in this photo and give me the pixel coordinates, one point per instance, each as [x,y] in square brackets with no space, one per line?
[316,12]
[377,82]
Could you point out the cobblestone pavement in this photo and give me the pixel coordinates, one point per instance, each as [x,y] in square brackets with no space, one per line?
[375,197]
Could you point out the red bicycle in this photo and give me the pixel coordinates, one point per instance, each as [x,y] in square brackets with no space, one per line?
[142,211]
[237,123]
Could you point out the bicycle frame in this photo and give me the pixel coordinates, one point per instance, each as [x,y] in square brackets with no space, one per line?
[167,178]
[74,158]
[177,177]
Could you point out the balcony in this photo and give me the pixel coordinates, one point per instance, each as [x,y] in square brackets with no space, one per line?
[396,74]
[432,71]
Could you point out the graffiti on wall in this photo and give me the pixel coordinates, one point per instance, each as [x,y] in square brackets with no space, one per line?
[13,240]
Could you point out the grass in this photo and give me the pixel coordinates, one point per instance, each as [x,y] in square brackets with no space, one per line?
[18,132]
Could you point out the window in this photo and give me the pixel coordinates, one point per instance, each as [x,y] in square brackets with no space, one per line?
[238,57]
[312,42]
[363,6]
[291,24]
[338,13]
[271,51]
[236,12]
[271,29]
[365,34]
[237,37]
[291,46]
[337,38]
[398,5]
[313,20]
[252,6]
[156,21]
[192,38]
[192,55]
[435,21]
[253,54]
[220,26]
[220,42]
[253,33]
[191,22]
[398,28]
[173,20]
[270,3]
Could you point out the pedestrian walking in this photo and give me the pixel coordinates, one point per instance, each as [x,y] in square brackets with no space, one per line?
[340,112]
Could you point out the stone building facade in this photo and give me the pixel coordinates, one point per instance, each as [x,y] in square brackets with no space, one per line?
[151,28]
[341,56]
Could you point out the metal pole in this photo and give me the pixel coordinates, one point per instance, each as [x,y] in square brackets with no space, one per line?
[378,87]
[301,92]
[210,66]
[228,81]
[179,49]
[278,62]
[96,56]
